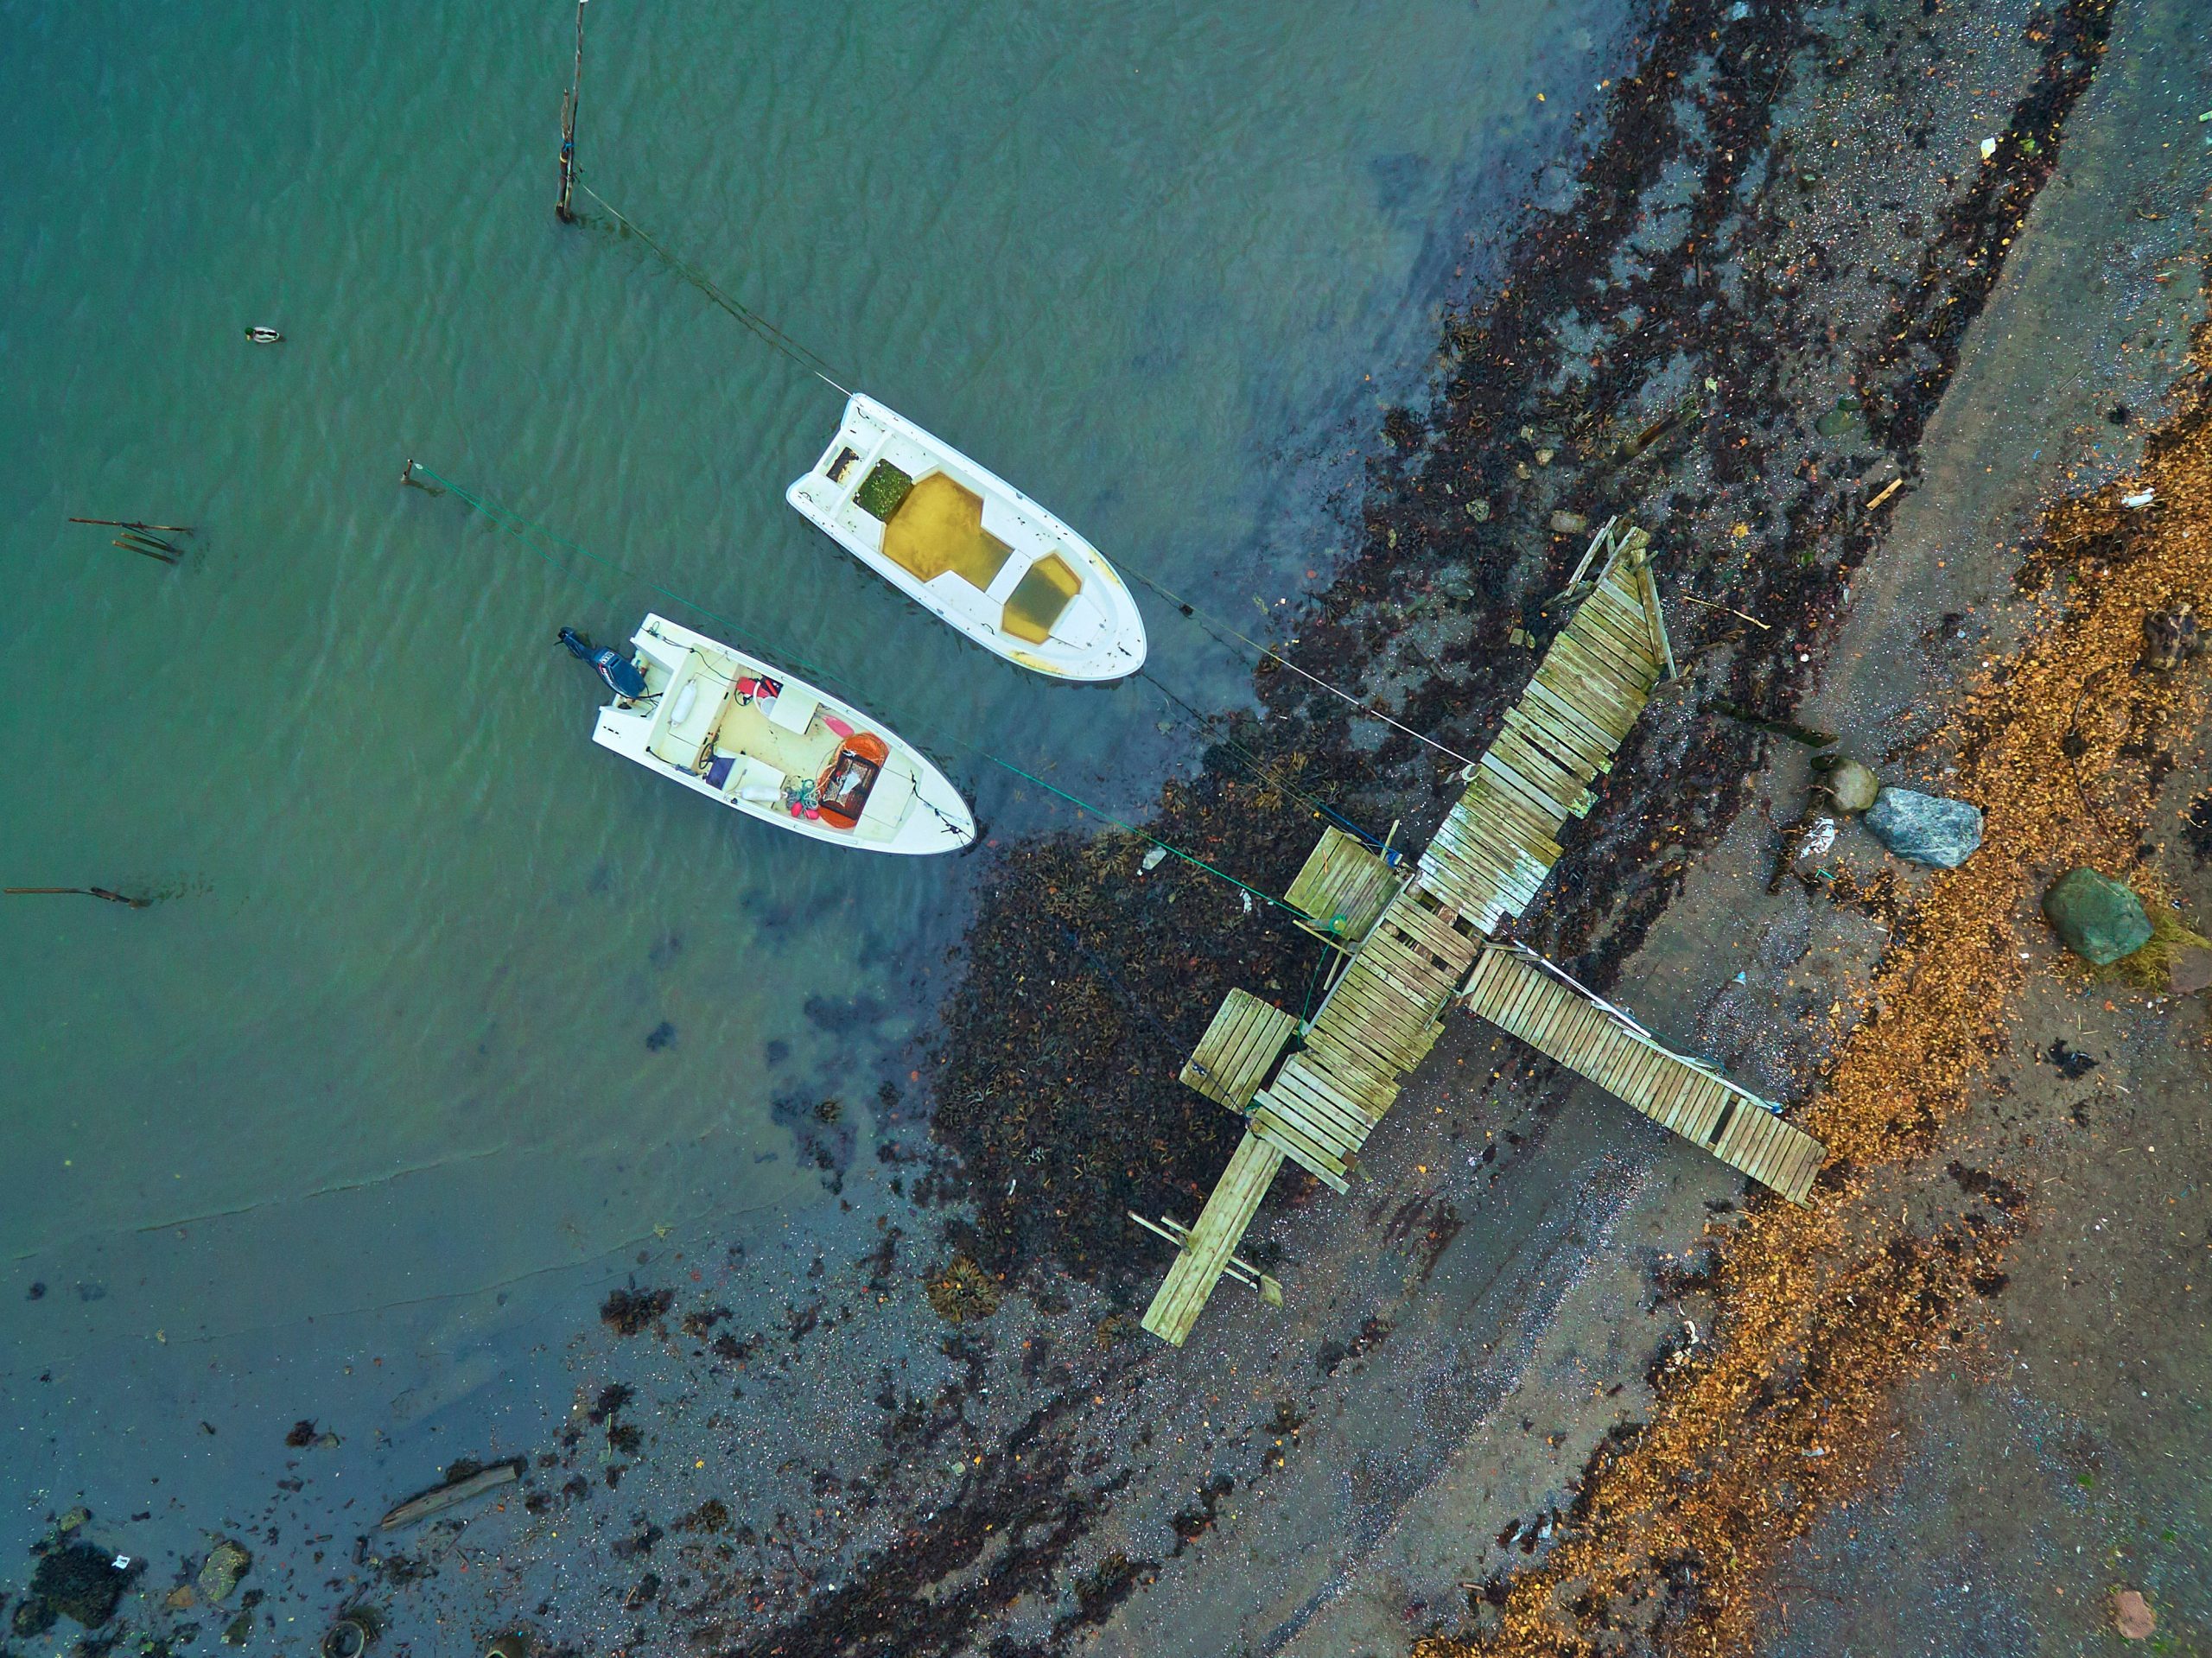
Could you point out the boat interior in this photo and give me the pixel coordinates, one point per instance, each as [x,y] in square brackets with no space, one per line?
[757,740]
[933,525]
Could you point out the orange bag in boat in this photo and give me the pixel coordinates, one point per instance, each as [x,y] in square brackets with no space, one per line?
[843,790]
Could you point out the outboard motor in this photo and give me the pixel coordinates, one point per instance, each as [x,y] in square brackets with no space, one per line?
[621,673]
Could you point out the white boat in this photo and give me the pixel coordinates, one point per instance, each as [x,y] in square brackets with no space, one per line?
[971,548]
[742,732]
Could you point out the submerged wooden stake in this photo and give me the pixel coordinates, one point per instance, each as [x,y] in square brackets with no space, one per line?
[80,892]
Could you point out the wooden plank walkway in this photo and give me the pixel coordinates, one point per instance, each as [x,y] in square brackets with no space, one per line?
[1520,994]
[1238,1049]
[1204,1254]
[1494,848]
[1417,940]
[1343,887]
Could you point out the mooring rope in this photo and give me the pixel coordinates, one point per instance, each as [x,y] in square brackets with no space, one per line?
[763,330]
[1259,766]
[1372,712]
[518,526]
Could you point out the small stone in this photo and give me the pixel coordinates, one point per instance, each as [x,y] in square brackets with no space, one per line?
[1478,510]
[2131,1615]
[2097,918]
[1925,829]
[1568,524]
[182,1599]
[2171,638]
[1838,422]
[238,1630]
[220,1572]
[1851,786]
[1544,456]
[72,1521]
[2189,972]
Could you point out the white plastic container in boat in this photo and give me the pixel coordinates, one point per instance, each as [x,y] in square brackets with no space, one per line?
[971,548]
[732,727]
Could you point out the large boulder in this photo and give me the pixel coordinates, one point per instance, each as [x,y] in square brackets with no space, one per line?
[1925,829]
[2095,917]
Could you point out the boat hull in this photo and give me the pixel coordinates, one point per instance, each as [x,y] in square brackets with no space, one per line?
[710,722]
[970,549]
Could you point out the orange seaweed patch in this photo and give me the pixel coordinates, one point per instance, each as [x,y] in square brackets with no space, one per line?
[1823,1313]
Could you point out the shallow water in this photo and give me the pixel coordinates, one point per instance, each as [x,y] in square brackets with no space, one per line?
[443,1010]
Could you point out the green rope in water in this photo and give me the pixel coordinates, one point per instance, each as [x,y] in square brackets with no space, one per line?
[521,528]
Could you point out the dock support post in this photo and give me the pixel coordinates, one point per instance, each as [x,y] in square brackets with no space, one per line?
[561,209]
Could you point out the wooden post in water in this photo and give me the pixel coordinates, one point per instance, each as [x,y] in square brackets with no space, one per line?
[561,209]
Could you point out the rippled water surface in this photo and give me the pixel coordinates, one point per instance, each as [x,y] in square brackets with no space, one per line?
[443,1010]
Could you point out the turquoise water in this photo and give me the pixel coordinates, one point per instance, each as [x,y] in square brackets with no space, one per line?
[384,1042]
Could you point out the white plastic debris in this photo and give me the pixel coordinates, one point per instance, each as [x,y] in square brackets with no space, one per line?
[2141,498]
[1989,150]
[1154,858]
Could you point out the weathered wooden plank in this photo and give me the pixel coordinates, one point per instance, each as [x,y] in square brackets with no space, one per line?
[1567,745]
[1344,883]
[1315,1159]
[1309,1073]
[1623,656]
[1604,742]
[1175,1306]
[1242,1042]
[1556,781]
[1601,676]
[1598,677]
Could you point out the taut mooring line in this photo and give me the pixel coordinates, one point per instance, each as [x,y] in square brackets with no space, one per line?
[766,332]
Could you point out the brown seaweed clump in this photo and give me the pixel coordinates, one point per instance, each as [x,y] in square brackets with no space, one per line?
[632,1311]
[963,1290]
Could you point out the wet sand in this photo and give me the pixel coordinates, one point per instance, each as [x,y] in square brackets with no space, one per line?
[1480,1342]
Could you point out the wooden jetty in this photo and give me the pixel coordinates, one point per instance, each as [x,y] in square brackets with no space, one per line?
[1416,942]
[1525,995]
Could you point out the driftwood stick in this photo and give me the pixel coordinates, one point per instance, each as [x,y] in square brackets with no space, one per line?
[130,523]
[439,1498]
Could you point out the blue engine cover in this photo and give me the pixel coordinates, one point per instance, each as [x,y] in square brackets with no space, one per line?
[621,674]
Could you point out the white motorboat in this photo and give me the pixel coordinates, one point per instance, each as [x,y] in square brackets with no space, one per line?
[745,732]
[970,547]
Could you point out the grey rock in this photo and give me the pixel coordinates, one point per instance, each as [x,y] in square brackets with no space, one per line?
[1851,786]
[2097,918]
[220,1572]
[1568,524]
[1925,829]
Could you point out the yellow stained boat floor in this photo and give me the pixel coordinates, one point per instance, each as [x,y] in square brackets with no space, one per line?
[939,527]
